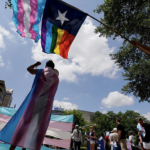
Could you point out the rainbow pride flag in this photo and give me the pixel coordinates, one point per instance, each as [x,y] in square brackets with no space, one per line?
[60,25]
[26,17]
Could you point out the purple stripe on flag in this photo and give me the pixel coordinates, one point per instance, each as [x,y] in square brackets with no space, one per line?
[33,17]
[43,35]
[20,17]
[22,127]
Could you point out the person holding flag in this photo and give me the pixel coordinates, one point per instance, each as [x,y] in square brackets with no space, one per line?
[28,126]
[141,46]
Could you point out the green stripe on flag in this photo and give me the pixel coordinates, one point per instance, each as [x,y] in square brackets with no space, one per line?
[54,38]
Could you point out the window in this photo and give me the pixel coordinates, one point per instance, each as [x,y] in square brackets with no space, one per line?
[2,95]
[4,91]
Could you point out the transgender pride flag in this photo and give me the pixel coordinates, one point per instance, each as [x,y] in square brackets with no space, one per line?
[26,17]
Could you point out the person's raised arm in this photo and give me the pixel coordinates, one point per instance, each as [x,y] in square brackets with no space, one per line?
[139,45]
[31,69]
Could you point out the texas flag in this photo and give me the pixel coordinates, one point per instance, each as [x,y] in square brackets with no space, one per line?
[60,24]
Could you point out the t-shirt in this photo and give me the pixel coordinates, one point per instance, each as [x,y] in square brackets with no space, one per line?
[113,137]
[106,141]
[146,127]
[92,134]
[131,138]
[77,135]
[120,127]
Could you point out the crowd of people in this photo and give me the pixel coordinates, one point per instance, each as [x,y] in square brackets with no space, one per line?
[117,138]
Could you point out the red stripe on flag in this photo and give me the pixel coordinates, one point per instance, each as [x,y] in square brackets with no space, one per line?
[65,44]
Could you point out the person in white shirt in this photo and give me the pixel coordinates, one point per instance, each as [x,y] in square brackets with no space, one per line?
[131,138]
[77,135]
[114,137]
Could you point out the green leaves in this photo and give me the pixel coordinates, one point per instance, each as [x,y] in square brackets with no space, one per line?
[131,18]
[106,122]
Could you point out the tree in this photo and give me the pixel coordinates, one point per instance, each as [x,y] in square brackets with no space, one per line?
[78,119]
[131,18]
[106,122]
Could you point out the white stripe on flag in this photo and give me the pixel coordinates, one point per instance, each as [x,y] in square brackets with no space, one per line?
[26,18]
[58,134]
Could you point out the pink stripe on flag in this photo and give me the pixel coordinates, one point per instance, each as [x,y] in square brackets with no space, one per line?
[59,143]
[60,125]
[20,17]
[22,127]
[4,118]
[33,17]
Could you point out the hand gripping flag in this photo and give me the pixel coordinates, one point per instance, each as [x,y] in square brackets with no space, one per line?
[26,17]
[60,24]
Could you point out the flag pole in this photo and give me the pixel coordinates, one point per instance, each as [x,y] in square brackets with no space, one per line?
[95,20]
[109,27]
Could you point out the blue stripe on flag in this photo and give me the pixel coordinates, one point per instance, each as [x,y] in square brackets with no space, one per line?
[7,146]
[15,14]
[49,36]
[62,118]
[7,111]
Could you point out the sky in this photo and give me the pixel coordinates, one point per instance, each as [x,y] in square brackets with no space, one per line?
[89,79]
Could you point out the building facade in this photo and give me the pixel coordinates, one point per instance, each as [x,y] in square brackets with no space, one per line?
[85,114]
[5,95]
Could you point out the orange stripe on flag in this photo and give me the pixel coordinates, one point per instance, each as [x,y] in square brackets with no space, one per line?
[65,44]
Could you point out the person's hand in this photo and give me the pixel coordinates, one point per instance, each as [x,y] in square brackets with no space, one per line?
[133,43]
[118,141]
[38,64]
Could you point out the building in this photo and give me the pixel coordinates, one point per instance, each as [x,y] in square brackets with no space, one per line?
[57,111]
[5,95]
[85,114]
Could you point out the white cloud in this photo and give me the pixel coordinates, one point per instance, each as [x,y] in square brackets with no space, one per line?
[137,111]
[104,112]
[13,28]
[66,98]
[1,62]
[116,99]
[147,115]
[101,107]
[65,105]
[89,54]
[26,74]
[4,33]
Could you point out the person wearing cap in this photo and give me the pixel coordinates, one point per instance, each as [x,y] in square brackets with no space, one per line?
[146,137]
[77,137]
[121,135]
[114,135]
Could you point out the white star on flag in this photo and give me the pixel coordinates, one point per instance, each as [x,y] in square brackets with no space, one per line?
[62,17]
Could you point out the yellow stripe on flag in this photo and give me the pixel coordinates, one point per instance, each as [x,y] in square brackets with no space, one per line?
[60,34]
